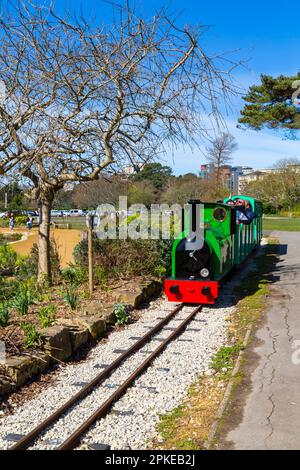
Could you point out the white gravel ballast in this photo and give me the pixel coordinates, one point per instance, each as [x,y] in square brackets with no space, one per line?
[132,421]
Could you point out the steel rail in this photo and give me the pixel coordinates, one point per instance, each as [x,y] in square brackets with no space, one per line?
[29,438]
[74,439]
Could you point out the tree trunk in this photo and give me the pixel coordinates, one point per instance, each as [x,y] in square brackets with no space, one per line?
[44,264]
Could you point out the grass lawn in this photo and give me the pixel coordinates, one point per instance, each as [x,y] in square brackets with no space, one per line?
[284,223]
[78,223]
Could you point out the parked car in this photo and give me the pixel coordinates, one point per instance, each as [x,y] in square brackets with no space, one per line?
[77,213]
[66,213]
[32,213]
[57,213]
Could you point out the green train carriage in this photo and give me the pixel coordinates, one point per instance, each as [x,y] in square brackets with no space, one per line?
[197,273]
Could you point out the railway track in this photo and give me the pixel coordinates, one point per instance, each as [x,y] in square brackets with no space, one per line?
[75,437]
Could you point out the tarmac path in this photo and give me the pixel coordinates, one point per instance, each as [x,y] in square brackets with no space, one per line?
[271,414]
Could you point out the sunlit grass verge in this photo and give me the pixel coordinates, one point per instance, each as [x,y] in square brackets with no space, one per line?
[288,224]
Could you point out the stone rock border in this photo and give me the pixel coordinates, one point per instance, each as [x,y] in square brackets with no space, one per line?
[62,340]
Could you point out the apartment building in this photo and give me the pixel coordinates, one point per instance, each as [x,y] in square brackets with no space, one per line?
[236,178]
[230,175]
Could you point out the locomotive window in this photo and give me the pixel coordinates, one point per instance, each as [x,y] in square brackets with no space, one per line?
[220,214]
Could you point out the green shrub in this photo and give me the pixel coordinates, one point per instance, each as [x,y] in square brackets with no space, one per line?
[9,237]
[160,271]
[32,337]
[24,298]
[21,303]
[75,274]
[69,274]
[8,258]
[100,277]
[294,214]
[19,220]
[47,316]
[122,314]
[78,275]
[8,288]
[71,296]
[4,314]
[127,257]
[43,296]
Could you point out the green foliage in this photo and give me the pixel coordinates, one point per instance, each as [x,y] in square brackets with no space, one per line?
[8,258]
[142,192]
[156,173]
[223,361]
[20,220]
[42,295]
[160,271]
[127,257]
[69,274]
[169,427]
[8,288]
[9,237]
[270,104]
[21,303]
[288,224]
[278,190]
[122,314]
[75,274]
[18,202]
[100,277]
[47,316]
[14,197]
[25,297]
[180,190]
[32,337]
[4,314]
[71,296]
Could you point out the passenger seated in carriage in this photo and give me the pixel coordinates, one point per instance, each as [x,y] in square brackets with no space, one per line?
[244,213]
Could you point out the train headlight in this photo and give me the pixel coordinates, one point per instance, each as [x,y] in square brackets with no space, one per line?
[204,272]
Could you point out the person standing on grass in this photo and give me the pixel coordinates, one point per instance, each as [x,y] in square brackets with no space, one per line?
[11,223]
[29,223]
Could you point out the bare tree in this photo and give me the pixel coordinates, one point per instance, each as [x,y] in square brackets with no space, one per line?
[80,98]
[220,151]
[101,191]
[181,189]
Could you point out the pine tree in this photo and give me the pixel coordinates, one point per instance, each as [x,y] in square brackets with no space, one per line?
[273,103]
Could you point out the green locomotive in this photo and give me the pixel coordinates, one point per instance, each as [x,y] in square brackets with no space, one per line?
[226,243]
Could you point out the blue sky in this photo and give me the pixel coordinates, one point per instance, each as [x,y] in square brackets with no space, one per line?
[265,33]
[268,38]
